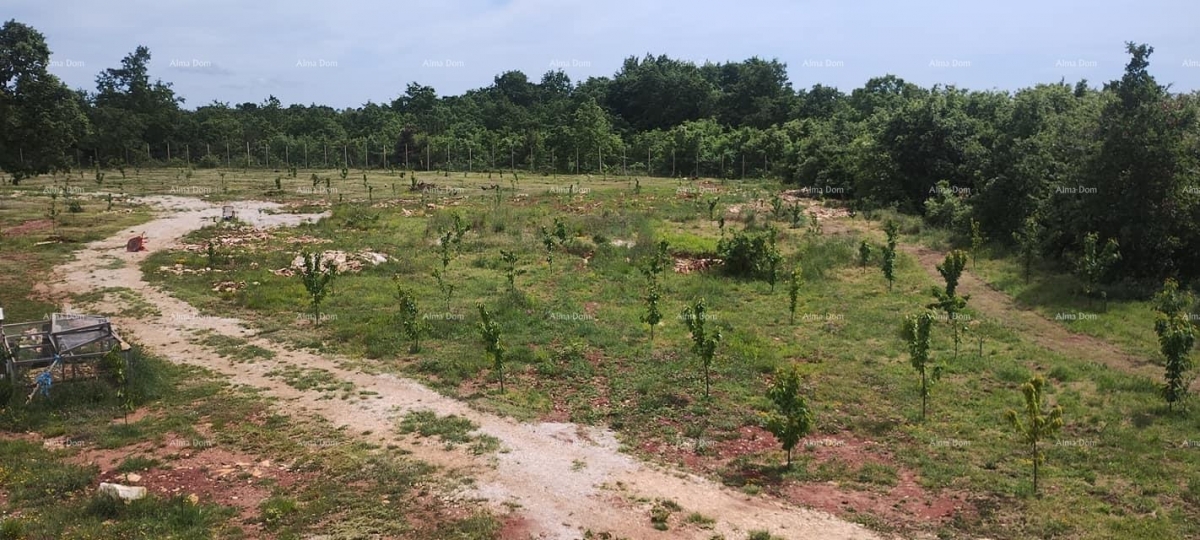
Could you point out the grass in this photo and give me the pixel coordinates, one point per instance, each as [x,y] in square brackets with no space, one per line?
[451,429]
[844,342]
[237,349]
[305,378]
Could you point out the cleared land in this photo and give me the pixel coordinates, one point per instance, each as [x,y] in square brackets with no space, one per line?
[601,430]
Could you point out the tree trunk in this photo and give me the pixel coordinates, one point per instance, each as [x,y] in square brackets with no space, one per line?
[924,394]
[1035,469]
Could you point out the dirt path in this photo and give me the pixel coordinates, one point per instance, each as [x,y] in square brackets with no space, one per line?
[1001,308]
[564,477]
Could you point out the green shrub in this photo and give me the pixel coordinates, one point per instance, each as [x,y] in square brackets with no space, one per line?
[278,511]
[748,255]
[12,529]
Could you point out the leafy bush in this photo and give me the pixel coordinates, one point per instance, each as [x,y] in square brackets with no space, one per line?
[211,161]
[748,255]
[946,208]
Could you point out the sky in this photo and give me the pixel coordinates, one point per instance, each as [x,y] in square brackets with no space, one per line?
[344,54]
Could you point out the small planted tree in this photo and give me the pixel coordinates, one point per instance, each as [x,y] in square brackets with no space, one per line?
[510,268]
[889,253]
[653,270]
[490,333]
[1176,337]
[118,374]
[411,324]
[1029,242]
[814,224]
[548,244]
[1033,424]
[653,314]
[1095,262]
[560,232]
[864,254]
[53,212]
[977,241]
[948,299]
[791,420]
[704,342]
[793,294]
[797,215]
[447,252]
[773,260]
[317,275]
[916,333]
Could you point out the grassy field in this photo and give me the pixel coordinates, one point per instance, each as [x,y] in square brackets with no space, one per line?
[220,463]
[1122,467]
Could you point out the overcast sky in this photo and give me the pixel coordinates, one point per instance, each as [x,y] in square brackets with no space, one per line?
[346,53]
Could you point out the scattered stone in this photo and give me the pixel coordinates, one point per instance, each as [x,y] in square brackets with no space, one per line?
[124,493]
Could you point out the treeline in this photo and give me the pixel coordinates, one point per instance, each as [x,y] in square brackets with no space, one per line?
[1056,161]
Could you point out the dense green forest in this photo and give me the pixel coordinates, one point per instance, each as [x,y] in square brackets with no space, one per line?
[1045,165]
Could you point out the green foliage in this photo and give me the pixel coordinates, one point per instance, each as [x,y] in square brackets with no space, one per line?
[1029,244]
[653,270]
[1095,262]
[947,207]
[814,224]
[42,116]
[793,294]
[1033,425]
[977,241]
[864,253]
[317,274]
[704,341]
[1176,337]
[548,244]
[510,259]
[797,214]
[889,253]
[948,299]
[750,255]
[411,323]
[791,420]
[916,334]
[489,332]
[118,374]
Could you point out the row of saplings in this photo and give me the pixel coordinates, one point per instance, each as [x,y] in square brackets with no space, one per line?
[757,255]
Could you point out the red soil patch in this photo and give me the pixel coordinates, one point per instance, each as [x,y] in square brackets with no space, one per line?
[906,505]
[29,227]
[194,467]
[516,528]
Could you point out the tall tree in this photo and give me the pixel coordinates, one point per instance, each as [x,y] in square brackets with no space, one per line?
[130,110]
[40,118]
[1138,174]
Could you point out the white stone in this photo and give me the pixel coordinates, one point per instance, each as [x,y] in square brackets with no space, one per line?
[125,493]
